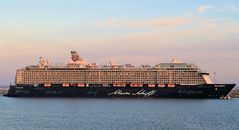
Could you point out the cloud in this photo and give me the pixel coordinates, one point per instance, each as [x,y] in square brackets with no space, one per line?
[163,22]
[234,8]
[204,8]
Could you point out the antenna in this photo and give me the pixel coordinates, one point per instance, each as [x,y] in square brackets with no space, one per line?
[214,77]
[110,63]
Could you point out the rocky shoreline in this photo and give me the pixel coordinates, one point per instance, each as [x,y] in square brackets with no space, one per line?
[234,93]
[3,91]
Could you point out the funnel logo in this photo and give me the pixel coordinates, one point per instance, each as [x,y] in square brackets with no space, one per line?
[75,58]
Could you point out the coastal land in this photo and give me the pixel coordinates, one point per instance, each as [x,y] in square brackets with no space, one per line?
[3,90]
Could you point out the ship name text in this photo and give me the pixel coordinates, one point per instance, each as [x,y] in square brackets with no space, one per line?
[141,92]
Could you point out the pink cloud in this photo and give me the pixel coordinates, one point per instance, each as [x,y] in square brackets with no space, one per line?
[161,22]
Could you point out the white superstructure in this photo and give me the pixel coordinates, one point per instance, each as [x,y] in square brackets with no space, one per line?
[79,71]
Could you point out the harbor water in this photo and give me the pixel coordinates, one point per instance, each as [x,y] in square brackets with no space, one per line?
[118,114]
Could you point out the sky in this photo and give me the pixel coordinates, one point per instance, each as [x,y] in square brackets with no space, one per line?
[122,31]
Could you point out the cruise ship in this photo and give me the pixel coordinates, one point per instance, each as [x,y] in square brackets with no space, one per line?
[79,78]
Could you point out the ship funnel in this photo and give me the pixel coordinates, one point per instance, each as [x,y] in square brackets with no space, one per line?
[75,56]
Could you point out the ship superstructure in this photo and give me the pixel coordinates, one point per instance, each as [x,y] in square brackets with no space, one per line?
[79,72]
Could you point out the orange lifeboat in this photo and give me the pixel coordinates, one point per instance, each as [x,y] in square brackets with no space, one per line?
[80,85]
[119,85]
[47,85]
[65,84]
[136,85]
[171,85]
[161,85]
[151,85]
[123,85]
[115,84]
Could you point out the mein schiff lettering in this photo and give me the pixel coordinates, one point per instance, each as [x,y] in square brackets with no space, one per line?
[141,92]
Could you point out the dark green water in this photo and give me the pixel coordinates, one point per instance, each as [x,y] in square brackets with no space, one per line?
[110,114]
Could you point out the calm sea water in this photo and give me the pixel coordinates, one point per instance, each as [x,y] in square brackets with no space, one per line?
[125,114]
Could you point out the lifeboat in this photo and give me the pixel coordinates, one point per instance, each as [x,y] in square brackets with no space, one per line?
[161,85]
[80,85]
[47,85]
[65,84]
[136,85]
[123,85]
[151,85]
[171,85]
[119,85]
